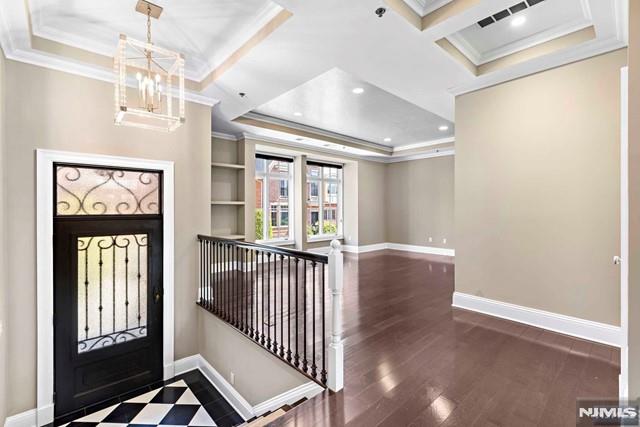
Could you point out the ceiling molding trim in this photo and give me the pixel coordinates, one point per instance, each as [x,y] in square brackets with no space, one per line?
[258,37]
[226,136]
[358,143]
[554,33]
[208,65]
[422,8]
[536,65]
[419,156]
[305,147]
[15,40]
[265,16]
[425,144]
[381,159]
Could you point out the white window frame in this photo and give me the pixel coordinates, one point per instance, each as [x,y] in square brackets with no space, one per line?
[321,180]
[266,204]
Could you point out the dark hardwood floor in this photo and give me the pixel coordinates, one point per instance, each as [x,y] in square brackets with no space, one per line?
[413,360]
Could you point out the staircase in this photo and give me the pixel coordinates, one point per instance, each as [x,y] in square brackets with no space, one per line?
[269,417]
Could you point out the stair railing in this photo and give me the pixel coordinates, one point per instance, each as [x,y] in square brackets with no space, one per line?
[278,298]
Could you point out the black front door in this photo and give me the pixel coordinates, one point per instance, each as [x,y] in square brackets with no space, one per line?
[108,291]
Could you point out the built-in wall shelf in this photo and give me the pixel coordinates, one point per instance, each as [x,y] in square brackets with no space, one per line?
[231,180]
[227,165]
[228,202]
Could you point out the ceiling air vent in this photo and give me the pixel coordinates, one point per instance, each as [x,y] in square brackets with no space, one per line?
[508,12]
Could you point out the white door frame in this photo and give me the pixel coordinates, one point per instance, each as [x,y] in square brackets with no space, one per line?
[623,380]
[44,239]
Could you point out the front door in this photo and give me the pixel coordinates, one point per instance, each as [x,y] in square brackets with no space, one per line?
[108,283]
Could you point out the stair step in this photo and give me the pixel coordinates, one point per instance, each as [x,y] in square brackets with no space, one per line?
[264,420]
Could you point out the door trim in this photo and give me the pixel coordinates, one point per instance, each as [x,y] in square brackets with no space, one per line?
[44,264]
[623,380]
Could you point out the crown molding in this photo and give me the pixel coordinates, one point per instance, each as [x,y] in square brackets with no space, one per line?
[557,59]
[228,137]
[354,142]
[424,144]
[378,159]
[206,64]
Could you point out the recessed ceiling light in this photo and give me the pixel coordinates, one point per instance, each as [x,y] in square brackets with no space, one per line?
[358,90]
[518,21]
[387,140]
[443,128]
[297,114]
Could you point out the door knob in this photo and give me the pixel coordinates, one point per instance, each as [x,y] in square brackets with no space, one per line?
[156,297]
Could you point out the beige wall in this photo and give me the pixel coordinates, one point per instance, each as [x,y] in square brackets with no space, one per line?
[537,190]
[419,200]
[227,350]
[634,199]
[3,272]
[372,213]
[54,110]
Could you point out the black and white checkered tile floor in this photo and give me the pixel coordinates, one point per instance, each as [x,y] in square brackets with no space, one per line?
[176,403]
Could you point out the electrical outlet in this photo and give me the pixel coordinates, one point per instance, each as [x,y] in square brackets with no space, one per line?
[232,378]
[444,241]
[430,239]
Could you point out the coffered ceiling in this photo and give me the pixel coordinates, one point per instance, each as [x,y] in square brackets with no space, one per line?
[284,56]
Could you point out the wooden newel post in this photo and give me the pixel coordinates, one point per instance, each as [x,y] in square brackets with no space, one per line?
[335,379]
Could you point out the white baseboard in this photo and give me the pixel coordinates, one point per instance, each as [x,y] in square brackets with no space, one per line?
[30,418]
[23,419]
[399,247]
[576,327]
[307,390]
[242,407]
[235,399]
[232,396]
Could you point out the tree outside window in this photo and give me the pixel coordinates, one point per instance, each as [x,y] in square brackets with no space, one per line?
[274,178]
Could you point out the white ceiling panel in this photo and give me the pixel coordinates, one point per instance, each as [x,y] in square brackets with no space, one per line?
[202,30]
[328,102]
[542,22]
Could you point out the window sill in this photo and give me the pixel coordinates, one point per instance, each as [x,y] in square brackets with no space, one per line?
[323,238]
[276,242]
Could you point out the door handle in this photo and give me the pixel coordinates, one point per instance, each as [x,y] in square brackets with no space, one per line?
[617,260]
[156,296]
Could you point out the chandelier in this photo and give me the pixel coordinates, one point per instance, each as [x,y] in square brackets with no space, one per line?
[149,89]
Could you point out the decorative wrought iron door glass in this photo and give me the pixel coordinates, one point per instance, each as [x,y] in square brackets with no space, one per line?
[99,191]
[112,290]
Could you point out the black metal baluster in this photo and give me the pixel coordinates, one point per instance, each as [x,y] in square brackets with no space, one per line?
[205,276]
[262,302]
[281,306]
[100,307]
[237,292]
[297,355]
[139,280]
[275,304]
[314,367]
[289,309]
[305,365]
[113,281]
[269,300]
[323,373]
[126,286]
[245,292]
[86,290]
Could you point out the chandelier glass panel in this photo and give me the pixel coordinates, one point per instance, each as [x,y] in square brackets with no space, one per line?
[149,89]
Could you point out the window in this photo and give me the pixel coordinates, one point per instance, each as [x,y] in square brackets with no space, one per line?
[274,178]
[324,199]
